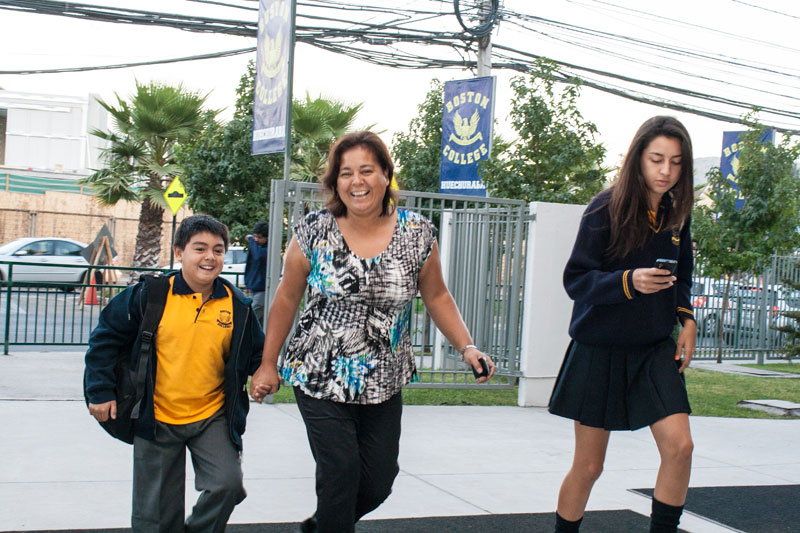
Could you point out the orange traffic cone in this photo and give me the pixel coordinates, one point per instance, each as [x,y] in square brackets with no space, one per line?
[91,293]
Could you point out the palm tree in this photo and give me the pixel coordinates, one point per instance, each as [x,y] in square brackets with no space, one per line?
[140,156]
[316,124]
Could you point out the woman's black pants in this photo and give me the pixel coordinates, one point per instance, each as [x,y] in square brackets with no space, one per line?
[355,448]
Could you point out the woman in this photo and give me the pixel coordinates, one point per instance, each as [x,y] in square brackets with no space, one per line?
[364,261]
[622,370]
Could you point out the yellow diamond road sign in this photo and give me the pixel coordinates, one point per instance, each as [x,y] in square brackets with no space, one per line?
[175,195]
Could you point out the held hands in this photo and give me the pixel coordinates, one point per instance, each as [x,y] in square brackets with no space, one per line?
[265,381]
[472,357]
[650,280]
[686,342]
[101,411]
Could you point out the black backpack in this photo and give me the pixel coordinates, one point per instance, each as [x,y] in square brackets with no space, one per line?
[130,382]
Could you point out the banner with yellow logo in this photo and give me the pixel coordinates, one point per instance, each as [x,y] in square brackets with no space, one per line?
[272,77]
[466,134]
[729,161]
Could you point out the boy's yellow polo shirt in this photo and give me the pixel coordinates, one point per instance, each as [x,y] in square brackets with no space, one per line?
[192,344]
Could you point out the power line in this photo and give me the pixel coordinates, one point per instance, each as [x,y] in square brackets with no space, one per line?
[213,55]
[766,9]
[382,35]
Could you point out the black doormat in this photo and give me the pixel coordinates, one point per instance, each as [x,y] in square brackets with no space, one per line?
[751,508]
[594,521]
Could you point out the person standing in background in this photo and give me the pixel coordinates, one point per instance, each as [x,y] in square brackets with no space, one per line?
[255,270]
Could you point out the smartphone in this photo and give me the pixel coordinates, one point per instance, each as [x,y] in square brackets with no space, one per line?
[484,369]
[667,264]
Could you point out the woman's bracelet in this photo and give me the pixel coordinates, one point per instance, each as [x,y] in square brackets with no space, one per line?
[465,348]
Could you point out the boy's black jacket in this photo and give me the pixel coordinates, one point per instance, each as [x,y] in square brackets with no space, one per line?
[117,330]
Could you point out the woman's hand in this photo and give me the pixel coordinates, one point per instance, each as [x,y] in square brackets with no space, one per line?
[686,341]
[472,357]
[265,381]
[650,280]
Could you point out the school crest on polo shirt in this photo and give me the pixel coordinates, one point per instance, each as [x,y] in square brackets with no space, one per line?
[225,319]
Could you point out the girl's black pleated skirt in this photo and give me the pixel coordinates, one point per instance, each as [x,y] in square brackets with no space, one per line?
[619,387]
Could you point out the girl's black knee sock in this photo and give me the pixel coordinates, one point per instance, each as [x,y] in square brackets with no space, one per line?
[664,518]
[567,526]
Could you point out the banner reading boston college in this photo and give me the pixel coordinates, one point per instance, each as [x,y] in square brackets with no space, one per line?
[466,134]
[729,161]
[272,77]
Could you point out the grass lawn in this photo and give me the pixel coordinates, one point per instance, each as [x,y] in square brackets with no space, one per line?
[710,393]
[716,394]
[794,368]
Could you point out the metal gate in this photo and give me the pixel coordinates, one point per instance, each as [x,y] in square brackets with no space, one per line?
[481,242]
[757,305]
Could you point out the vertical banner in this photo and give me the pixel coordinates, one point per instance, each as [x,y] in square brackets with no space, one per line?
[467,127]
[272,77]
[729,161]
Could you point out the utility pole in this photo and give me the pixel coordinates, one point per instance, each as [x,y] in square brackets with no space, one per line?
[485,44]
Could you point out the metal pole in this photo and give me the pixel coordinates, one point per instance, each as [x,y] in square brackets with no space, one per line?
[485,45]
[8,308]
[172,243]
[287,155]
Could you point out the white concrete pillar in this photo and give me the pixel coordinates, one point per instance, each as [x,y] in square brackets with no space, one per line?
[445,239]
[547,308]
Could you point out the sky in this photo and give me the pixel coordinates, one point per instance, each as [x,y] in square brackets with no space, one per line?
[734,28]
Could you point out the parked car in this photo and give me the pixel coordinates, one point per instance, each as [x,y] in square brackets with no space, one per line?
[233,267]
[749,307]
[33,254]
[706,296]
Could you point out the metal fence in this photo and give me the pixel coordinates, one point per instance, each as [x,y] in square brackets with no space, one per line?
[483,256]
[37,312]
[744,329]
[482,250]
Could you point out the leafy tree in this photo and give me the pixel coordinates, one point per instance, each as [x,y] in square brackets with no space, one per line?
[221,176]
[223,179]
[316,124]
[730,240]
[140,158]
[418,152]
[555,157]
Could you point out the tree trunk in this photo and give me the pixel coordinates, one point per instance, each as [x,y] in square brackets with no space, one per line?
[148,239]
[725,298]
[724,309]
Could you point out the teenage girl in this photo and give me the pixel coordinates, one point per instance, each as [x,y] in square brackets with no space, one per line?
[623,370]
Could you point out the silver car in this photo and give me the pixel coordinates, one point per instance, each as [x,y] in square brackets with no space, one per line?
[34,255]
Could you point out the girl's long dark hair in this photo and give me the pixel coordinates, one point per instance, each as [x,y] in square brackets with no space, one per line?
[628,205]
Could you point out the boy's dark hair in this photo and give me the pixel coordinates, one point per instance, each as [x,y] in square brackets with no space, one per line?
[261,228]
[191,226]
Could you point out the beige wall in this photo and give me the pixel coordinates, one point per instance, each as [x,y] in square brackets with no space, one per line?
[60,214]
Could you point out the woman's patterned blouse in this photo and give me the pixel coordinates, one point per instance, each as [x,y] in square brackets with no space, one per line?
[352,342]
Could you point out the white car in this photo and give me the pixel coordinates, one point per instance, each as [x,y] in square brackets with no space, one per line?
[33,255]
[235,261]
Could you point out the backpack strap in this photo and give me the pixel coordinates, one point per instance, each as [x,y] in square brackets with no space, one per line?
[157,290]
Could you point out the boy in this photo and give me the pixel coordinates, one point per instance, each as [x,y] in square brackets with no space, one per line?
[255,271]
[207,344]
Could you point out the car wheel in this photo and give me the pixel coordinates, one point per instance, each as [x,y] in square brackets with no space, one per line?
[710,326]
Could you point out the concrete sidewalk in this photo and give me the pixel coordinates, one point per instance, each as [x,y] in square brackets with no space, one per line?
[59,470]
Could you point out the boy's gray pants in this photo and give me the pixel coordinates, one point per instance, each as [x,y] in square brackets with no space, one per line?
[159,477]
